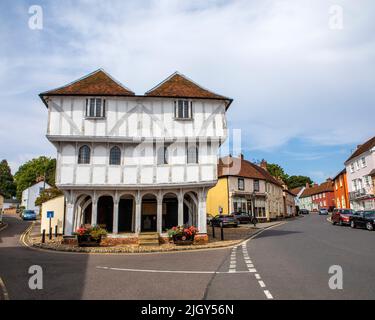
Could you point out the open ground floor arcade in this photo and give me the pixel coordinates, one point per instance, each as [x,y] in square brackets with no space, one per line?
[128,213]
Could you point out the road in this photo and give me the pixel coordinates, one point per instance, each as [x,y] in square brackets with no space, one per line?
[290,261]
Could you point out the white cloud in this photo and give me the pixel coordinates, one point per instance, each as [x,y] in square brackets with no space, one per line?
[290,75]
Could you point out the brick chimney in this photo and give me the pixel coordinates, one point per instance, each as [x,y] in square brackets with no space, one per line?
[263,164]
[307,185]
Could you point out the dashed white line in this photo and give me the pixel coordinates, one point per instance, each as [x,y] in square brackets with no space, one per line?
[261,283]
[268,294]
[251,269]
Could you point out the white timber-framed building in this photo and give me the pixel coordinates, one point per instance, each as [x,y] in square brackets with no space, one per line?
[135,163]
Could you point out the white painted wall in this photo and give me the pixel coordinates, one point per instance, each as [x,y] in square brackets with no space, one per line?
[30,194]
[129,121]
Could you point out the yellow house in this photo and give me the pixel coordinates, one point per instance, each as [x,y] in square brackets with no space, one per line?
[57,205]
[245,187]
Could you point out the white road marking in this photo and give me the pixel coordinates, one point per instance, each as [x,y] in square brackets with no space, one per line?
[268,294]
[172,271]
[261,283]
[251,269]
[4,290]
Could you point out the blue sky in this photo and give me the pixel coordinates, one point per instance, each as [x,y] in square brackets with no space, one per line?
[303,91]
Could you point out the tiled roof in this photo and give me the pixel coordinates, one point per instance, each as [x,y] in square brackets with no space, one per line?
[96,83]
[177,85]
[324,187]
[296,190]
[232,166]
[363,148]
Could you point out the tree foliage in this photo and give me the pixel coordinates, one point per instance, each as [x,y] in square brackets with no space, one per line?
[33,171]
[48,194]
[7,185]
[291,181]
[298,181]
[277,171]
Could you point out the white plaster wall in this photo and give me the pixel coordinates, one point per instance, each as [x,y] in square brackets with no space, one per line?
[361,172]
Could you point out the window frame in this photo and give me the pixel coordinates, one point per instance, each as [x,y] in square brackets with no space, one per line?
[243,184]
[164,155]
[196,155]
[256,182]
[82,158]
[186,111]
[118,156]
[94,108]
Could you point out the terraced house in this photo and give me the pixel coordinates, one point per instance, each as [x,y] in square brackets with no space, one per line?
[360,169]
[135,163]
[318,196]
[246,187]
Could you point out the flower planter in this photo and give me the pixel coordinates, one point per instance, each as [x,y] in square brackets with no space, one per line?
[182,240]
[88,241]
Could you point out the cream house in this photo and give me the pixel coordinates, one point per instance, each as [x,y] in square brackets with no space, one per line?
[246,187]
[135,163]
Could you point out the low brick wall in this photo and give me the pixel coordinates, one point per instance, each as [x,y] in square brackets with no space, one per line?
[109,241]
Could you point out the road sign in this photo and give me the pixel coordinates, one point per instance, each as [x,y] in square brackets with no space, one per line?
[50,214]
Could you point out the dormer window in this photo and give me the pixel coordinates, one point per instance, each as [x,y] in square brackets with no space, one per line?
[95,108]
[183,109]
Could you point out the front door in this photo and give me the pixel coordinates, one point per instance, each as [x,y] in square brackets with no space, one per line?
[148,217]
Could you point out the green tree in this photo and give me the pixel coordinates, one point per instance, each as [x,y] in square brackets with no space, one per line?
[298,181]
[7,185]
[33,171]
[48,194]
[277,171]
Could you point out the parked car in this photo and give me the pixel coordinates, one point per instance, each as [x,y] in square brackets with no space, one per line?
[303,211]
[28,215]
[363,219]
[224,221]
[209,218]
[341,216]
[323,211]
[242,217]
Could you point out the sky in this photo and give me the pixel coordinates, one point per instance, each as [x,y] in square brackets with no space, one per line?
[301,72]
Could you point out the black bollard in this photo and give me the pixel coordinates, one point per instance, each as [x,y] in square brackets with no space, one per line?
[55,231]
[213,231]
[222,233]
[44,236]
[50,233]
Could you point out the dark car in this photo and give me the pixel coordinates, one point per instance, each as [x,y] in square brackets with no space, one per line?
[323,211]
[224,221]
[363,219]
[242,217]
[303,211]
[341,216]
[209,218]
[28,215]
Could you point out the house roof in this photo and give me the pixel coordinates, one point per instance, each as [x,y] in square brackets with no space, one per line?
[296,190]
[372,173]
[232,166]
[96,83]
[178,85]
[339,174]
[363,148]
[324,187]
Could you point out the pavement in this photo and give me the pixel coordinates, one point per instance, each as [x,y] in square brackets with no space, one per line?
[289,261]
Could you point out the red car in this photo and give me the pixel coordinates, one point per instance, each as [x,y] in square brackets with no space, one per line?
[341,216]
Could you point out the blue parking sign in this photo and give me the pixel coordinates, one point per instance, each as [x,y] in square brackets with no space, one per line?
[50,214]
